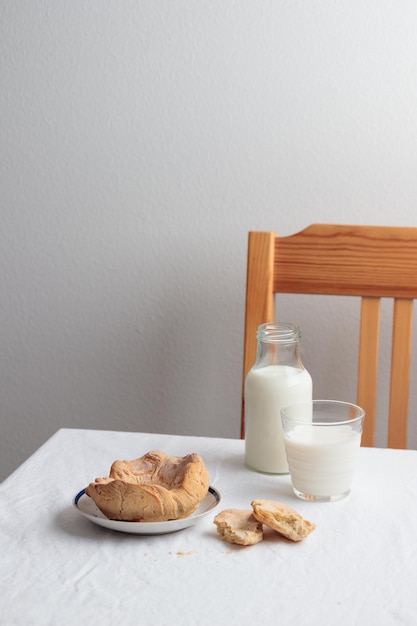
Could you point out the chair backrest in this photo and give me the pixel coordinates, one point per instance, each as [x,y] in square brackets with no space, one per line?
[372,262]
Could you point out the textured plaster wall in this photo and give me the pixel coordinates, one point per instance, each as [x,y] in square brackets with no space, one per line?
[139,142]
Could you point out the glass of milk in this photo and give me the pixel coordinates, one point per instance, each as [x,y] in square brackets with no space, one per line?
[322,440]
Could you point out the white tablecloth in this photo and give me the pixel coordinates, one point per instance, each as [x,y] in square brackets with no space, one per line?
[358,567]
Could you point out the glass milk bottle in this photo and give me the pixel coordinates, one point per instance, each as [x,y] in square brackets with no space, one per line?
[277,379]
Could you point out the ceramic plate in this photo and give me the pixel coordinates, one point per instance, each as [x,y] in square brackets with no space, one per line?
[85,505]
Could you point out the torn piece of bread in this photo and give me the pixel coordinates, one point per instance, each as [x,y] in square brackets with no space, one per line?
[153,488]
[238,526]
[282,518]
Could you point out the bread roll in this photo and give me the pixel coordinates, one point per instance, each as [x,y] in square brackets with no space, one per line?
[153,488]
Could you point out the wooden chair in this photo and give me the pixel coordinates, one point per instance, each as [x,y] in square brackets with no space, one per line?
[373,262]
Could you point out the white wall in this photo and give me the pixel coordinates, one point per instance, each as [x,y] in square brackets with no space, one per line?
[140,142]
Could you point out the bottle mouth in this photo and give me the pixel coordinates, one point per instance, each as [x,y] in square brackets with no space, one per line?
[278,332]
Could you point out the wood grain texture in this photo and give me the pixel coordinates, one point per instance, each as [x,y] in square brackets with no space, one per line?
[368,365]
[348,260]
[372,262]
[400,373]
[260,299]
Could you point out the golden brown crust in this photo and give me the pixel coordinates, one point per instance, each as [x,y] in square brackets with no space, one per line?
[282,518]
[238,526]
[153,488]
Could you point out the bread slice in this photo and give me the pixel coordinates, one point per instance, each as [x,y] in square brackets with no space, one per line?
[153,488]
[282,518]
[238,526]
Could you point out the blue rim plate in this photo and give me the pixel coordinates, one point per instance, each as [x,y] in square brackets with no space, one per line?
[86,506]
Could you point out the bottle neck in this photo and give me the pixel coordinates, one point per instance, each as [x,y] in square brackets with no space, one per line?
[278,344]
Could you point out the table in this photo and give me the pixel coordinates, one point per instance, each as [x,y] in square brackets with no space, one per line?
[358,567]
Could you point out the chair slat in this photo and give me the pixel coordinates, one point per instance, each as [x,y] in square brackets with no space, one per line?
[400,373]
[368,365]
[348,260]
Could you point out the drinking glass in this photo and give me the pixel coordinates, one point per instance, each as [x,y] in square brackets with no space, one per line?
[322,440]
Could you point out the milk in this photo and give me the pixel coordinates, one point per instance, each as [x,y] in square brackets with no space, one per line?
[267,390]
[322,459]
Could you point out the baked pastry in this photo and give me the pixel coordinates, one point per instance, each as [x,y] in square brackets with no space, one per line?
[153,488]
[282,518]
[238,526]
